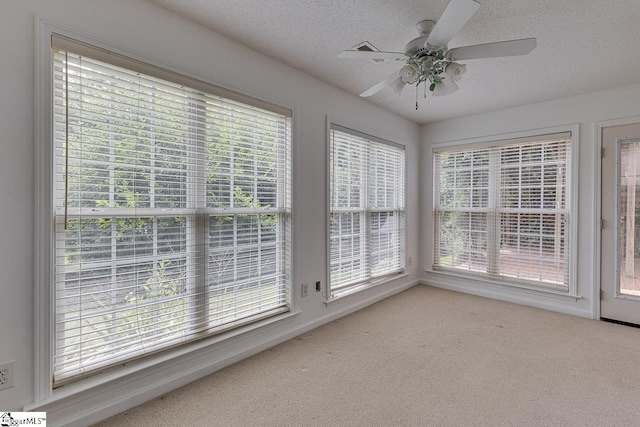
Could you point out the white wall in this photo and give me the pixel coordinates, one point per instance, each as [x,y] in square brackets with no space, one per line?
[142,28]
[585,111]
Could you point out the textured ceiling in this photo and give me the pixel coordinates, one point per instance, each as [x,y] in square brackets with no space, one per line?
[583,45]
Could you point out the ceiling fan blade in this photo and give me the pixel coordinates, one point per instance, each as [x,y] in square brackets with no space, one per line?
[380,85]
[457,13]
[369,54]
[492,50]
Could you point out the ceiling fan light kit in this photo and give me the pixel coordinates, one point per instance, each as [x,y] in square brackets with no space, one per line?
[428,60]
[433,70]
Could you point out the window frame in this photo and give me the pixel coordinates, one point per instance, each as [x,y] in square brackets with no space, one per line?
[430,235]
[44,225]
[368,282]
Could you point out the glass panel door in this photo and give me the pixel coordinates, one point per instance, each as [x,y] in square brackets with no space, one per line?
[629,240]
[620,235]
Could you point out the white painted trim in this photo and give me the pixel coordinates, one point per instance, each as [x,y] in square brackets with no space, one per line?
[366,285]
[597,219]
[496,143]
[364,130]
[43,223]
[133,370]
[503,282]
[597,203]
[50,27]
[376,137]
[327,210]
[293,174]
[353,132]
[43,239]
[574,202]
[420,255]
[90,406]
[561,304]
[427,206]
[504,136]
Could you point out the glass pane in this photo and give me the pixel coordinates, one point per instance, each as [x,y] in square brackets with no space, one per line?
[462,240]
[130,152]
[628,243]
[503,210]
[243,251]
[385,242]
[347,248]
[114,288]
[532,247]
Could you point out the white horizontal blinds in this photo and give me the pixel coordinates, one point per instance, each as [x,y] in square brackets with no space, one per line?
[462,209]
[503,210]
[386,197]
[348,244]
[171,209]
[367,209]
[534,214]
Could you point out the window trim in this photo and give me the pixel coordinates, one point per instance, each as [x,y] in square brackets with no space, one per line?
[496,140]
[44,227]
[143,66]
[342,125]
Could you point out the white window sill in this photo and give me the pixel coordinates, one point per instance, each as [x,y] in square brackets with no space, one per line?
[505,283]
[128,373]
[364,286]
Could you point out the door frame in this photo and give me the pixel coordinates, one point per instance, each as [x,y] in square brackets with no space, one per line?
[597,188]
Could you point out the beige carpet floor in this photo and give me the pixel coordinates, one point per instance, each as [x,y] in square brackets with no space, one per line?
[425,357]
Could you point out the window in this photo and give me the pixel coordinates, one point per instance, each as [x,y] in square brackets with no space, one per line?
[503,209]
[367,209]
[171,209]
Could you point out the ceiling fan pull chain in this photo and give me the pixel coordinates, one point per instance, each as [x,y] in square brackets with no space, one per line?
[418,84]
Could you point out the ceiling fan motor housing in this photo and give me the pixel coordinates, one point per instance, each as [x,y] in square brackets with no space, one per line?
[424,27]
[417,46]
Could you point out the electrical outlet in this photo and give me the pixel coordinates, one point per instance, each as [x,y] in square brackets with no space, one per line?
[318,286]
[305,289]
[6,375]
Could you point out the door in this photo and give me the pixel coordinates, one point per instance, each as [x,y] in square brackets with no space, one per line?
[620,238]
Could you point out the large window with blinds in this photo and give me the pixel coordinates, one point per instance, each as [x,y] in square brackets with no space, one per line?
[367,209]
[171,205]
[502,210]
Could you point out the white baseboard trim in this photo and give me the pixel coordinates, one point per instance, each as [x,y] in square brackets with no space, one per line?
[517,296]
[106,400]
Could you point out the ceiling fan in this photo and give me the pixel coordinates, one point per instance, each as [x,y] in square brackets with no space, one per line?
[429,61]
